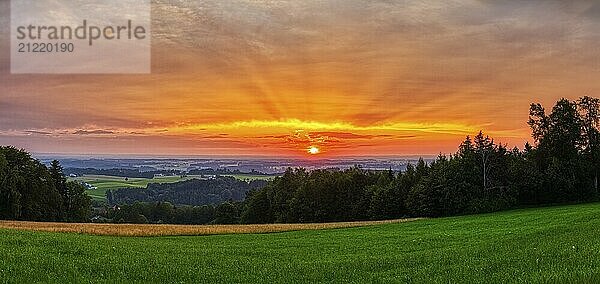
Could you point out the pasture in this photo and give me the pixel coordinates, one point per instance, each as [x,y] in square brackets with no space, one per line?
[104,183]
[542,245]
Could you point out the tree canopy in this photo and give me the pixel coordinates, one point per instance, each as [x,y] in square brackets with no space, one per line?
[31,191]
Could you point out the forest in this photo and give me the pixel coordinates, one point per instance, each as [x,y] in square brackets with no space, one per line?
[128,173]
[191,192]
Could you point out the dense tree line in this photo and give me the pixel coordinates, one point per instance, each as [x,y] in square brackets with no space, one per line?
[31,191]
[223,171]
[483,176]
[165,212]
[127,173]
[191,192]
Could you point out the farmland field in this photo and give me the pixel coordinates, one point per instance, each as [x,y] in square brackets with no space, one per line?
[104,183]
[150,230]
[554,244]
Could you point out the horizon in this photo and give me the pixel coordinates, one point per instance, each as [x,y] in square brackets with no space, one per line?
[222,157]
[316,159]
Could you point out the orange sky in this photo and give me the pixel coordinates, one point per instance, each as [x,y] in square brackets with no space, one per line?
[350,77]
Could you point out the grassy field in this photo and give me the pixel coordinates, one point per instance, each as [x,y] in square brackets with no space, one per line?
[104,183]
[547,245]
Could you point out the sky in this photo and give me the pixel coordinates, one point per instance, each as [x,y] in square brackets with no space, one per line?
[348,77]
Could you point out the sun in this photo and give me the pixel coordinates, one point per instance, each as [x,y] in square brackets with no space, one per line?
[313,150]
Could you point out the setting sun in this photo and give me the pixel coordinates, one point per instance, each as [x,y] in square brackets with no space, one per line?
[313,150]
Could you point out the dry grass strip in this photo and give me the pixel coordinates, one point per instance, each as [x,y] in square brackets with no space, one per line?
[151,230]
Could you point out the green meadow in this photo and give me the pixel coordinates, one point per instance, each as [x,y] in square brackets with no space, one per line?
[542,245]
[104,183]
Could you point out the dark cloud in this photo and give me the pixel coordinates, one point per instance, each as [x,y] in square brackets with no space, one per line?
[93,132]
[271,137]
[343,135]
[593,12]
[219,136]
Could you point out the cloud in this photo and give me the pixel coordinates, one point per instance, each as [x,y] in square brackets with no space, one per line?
[38,132]
[93,132]
[346,135]
[593,11]
[218,136]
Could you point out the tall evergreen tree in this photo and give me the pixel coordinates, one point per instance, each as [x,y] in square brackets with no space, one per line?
[80,204]
[60,183]
[484,147]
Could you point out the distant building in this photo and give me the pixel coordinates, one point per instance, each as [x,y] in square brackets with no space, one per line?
[88,186]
